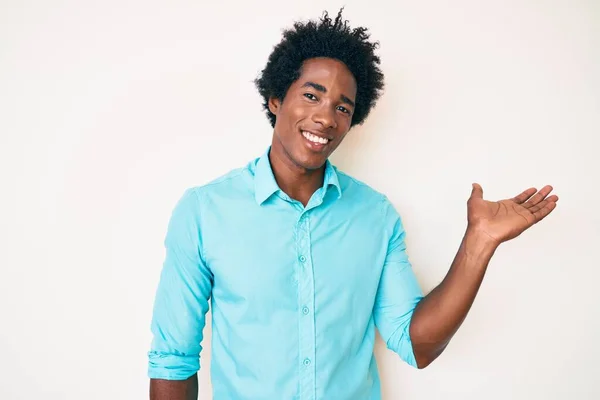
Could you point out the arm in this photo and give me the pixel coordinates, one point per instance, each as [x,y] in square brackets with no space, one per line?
[161,389]
[438,316]
[398,293]
[180,307]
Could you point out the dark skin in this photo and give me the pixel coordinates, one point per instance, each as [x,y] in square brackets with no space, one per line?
[162,389]
[321,101]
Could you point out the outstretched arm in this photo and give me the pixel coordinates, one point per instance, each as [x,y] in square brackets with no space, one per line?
[438,315]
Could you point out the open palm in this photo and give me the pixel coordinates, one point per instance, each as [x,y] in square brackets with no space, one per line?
[506,219]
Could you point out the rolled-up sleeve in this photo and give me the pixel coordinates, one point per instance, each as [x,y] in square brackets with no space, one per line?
[398,293]
[181,299]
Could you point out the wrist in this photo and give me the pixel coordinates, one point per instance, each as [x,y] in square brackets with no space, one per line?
[478,241]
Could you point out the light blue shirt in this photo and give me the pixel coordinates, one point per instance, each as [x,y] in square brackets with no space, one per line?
[296,292]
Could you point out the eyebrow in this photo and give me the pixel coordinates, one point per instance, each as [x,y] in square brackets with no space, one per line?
[323,89]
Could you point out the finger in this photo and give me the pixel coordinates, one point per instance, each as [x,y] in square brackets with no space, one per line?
[522,198]
[538,206]
[542,204]
[544,211]
[477,191]
[539,196]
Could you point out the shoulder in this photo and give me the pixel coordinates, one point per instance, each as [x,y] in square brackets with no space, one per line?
[358,190]
[368,200]
[231,183]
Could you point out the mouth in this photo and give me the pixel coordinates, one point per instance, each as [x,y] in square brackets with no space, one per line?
[316,142]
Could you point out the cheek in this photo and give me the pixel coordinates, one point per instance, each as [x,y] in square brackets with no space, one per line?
[297,113]
[344,124]
[290,117]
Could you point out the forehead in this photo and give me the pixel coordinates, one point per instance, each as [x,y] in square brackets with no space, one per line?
[331,73]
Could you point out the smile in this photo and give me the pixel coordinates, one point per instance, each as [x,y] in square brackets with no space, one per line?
[314,138]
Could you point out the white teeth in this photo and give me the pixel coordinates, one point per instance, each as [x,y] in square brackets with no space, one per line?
[314,138]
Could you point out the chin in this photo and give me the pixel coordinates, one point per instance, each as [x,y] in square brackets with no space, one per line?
[311,162]
[299,154]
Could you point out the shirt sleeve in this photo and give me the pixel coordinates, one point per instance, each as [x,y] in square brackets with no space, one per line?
[398,293]
[181,299]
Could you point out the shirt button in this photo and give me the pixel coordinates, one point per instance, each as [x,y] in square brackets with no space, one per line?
[307,361]
[302,259]
[305,310]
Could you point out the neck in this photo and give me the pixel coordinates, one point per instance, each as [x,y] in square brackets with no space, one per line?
[297,182]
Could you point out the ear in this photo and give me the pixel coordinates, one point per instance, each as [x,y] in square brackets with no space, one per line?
[274,105]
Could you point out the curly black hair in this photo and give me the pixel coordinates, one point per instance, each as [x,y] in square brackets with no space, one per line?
[324,38]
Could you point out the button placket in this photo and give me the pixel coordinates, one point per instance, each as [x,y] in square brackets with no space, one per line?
[306,323]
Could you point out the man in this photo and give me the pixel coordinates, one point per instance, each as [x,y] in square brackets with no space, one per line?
[300,261]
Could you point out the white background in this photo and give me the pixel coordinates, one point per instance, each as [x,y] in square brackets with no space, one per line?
[109,110]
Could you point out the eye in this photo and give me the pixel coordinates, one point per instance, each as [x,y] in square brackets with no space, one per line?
[310,96]
[343,109]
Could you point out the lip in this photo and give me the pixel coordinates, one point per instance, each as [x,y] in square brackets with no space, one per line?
[312,145]
[317,133]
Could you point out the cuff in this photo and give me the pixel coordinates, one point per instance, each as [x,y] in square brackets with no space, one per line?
[172,367]
[401,344]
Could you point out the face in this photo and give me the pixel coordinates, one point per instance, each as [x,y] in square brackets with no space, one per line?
[316,113]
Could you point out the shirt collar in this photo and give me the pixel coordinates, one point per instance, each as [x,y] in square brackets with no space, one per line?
[265,184]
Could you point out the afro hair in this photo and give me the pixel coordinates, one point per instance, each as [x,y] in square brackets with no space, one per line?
[324,38]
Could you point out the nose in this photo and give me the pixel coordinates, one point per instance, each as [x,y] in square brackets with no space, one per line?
[325,116]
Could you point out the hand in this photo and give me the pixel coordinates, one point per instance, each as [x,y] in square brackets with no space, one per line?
[506,219]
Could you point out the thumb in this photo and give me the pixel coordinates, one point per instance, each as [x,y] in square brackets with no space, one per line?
[477,191]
